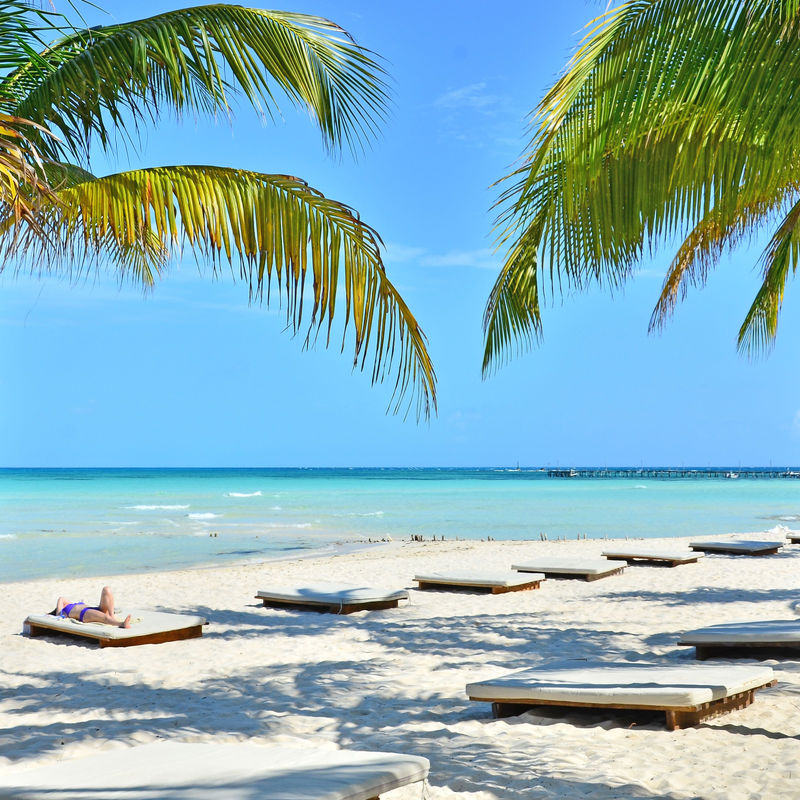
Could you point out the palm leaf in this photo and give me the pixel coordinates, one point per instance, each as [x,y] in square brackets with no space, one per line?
[23,185]
[194,60]
[781,255]
[654,132]
[269,228]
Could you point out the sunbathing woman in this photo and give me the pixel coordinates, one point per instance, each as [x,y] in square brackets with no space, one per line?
[104,612]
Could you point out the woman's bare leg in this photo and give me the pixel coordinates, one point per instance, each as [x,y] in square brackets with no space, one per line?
[106,604]
[60,603]
[93,615]
[105,611]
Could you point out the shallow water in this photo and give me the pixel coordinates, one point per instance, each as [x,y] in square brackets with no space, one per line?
[94,522]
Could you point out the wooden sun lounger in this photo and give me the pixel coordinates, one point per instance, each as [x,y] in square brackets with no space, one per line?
[587,569]
[187,771]
[738,547]
[148,627]
[481,582]
[331,599]
[644,556]
[775,638]
[687,695]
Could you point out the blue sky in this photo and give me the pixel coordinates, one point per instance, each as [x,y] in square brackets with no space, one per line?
[95,375]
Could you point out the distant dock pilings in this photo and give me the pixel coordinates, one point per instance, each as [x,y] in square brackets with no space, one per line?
[667,473]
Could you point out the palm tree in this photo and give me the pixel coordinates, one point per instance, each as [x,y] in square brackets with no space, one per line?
[675,117]
[66,90]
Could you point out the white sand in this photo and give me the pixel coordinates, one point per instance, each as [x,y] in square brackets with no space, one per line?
[394,680]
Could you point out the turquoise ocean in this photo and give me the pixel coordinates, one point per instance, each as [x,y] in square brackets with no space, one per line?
[94,522]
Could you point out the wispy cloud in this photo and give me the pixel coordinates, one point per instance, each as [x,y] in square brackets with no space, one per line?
[473,96]
[400,253]
[481,258]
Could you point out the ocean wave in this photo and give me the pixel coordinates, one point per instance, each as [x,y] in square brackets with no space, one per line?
[640,486]
[781,530]
[301,525]
[243,494]
[275,508]
[206,515]
[361,514]
[8,535]
[158,508]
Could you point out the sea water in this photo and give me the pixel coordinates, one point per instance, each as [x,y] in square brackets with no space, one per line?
[82,522]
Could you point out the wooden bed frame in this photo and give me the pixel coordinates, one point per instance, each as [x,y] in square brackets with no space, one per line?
[658,561]
[328,608]
[193,632]
[722,548]
[758,650]
[581,576]
[477,587]
[676,716]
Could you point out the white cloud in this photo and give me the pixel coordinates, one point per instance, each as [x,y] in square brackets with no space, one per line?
[399,253]
[483,258]
[472,96]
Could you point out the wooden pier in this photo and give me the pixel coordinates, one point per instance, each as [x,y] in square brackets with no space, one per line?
[667,473]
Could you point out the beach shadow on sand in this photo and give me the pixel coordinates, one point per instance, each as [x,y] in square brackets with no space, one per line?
[356,700]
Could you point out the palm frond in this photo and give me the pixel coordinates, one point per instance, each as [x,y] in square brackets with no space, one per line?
[23,185]
[195,59]
[672,114]
[781,255]
[269,228]
[513,316]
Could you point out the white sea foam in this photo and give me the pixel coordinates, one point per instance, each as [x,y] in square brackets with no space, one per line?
[158,508]
[243,494]
[207,515]
[640,486]
[8,535]
[275,508]
[301,525]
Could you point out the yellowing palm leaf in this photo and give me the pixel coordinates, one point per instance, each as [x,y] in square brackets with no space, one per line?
[269,228]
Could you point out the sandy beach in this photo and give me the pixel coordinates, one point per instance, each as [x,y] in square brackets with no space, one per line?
[394,680]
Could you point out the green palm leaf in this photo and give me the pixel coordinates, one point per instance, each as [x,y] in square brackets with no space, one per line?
[674,118]
[194,60]
[269,228]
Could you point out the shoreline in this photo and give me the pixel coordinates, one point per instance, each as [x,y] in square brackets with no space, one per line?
[341,548]
[394,680]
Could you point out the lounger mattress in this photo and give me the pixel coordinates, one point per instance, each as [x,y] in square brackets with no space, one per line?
[778,631]
[330,594]
[143,623]
[740,545]
[200,771]
[568,566]
[602,684]
[496,579]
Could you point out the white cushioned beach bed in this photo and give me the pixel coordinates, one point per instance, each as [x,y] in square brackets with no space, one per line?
[743,639]
[739,547]
[147,627]
[332,597]
[648,555]
[200,771]
[496,583]
[589,569]
[687,694]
